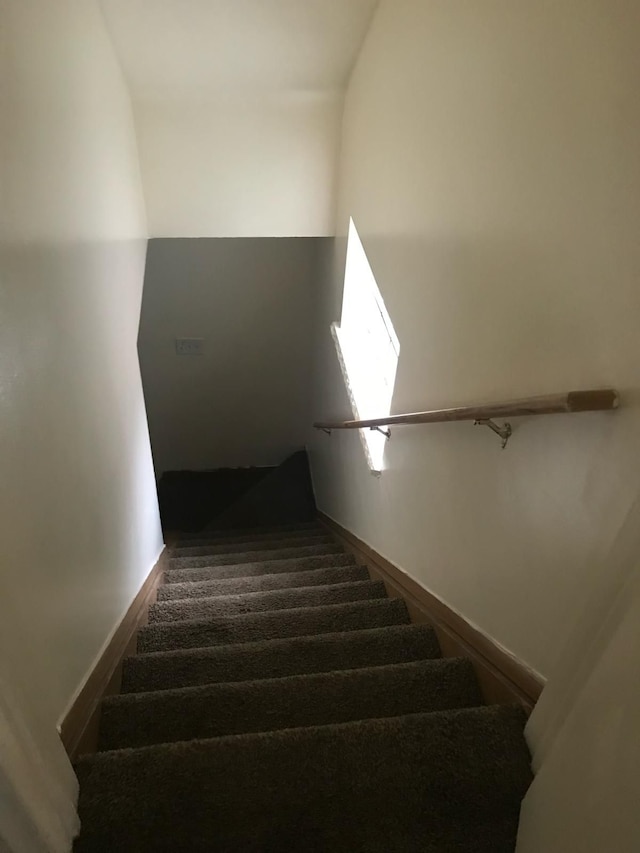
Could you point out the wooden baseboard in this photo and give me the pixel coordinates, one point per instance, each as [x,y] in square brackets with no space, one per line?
[79,728]
[503,678]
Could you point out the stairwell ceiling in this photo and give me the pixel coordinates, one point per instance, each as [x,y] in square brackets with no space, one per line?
[238,109]
[204,48]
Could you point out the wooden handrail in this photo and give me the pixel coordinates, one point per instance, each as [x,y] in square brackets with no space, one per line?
[550,404]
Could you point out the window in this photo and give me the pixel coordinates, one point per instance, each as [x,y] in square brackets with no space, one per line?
[368,347]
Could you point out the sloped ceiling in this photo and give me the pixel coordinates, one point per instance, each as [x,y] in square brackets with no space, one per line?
[201,48]
[238,108]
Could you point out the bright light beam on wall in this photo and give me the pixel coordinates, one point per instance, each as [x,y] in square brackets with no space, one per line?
[367,345]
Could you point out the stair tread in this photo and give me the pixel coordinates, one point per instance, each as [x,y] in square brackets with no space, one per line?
[259,583]
[180,550]
[250,530]
[279,657]
[267,791]
[259,567]
[238,557]
[240,539]
[262,530]
[272,624]
[252,602]
[137,719]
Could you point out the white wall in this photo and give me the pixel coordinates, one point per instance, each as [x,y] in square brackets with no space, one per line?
[490,162]
[240,166]
[78,509]
[585,726]
[246,399]
[585,796]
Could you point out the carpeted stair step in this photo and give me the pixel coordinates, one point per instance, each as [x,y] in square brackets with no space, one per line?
[247,534]
[279,658]
[216,531]
[260,567]
[247,628]
[180,550]
[261,583]
[255,602]
[237,557]
[189,713]
[264,527]
[292,537]
[436,782]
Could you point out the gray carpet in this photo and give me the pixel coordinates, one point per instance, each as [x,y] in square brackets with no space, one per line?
[261,567]
[255,544]
[297,622]
[261,583]
[399,784]
[244,534]
[255,602]
[240,540]
[284,704]
[279,658]
[190,713]
[237,557]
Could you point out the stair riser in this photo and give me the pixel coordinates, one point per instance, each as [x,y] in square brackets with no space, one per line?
[261,583]
[266,626]
[253,556]
[250,534]
[259,545]
[264,567]
[212,608]
[280,658]
[205,712]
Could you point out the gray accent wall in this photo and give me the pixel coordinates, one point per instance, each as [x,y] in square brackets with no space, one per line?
[246,399]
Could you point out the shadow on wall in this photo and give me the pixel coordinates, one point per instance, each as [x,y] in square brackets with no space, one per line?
[245,400]
[191,501]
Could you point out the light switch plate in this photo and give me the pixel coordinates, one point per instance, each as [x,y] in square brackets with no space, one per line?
[189,346]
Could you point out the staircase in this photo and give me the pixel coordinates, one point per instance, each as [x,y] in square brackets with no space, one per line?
[280,702]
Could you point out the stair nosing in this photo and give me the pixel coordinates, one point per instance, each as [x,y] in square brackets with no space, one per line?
[342,604]
[348,568]
[327,550]
[108,754]
[257,592]
[249,545]
[426,663]
[346,635]
[256,563]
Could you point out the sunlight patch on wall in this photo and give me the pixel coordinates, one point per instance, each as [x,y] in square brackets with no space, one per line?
[367,346]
